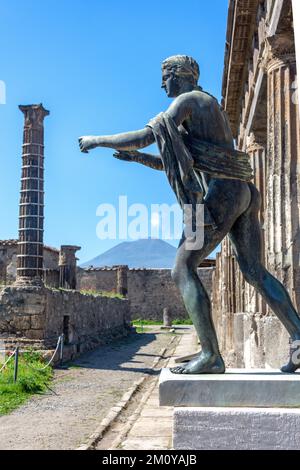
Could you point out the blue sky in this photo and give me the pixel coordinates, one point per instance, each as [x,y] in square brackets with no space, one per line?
[95,65]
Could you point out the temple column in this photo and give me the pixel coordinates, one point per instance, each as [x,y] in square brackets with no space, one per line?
[31,214]
[122,281]
[282,164]
[256,148]
[67,266]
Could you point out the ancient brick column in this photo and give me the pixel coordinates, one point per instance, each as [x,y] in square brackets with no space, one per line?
[2,272]
[122,286]
[67,266]
[283,159]
[31,215]
[256,148]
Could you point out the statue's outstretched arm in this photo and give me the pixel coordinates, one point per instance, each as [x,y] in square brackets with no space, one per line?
[151,161]
[126,141]
[179,110]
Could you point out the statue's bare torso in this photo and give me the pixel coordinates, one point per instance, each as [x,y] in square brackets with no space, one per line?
[201,116]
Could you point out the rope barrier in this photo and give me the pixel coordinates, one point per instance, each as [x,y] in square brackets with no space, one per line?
[10,357]
[59,341]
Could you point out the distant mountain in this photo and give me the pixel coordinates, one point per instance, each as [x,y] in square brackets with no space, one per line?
[144,253]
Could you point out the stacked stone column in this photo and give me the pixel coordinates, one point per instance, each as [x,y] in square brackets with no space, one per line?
[67,266]
[122,280]
[31,214]
[282,165]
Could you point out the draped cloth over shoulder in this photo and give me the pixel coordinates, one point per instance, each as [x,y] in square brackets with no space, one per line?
[184,160]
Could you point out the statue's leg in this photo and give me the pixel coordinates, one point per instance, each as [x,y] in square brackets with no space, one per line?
[245,236]
[226,208]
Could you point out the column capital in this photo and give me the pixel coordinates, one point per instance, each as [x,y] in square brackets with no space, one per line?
[280,51]
[34,115]
[256,142]
[67,254]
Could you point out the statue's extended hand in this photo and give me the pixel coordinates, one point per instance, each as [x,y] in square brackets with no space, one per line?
[86,143]
[126,155]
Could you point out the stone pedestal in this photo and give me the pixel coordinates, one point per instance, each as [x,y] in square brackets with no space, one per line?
[236,429]
[242,409]
[167,318]
[238,388]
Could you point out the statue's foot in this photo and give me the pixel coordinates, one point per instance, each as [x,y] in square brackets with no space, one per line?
[290,368]
[202,364]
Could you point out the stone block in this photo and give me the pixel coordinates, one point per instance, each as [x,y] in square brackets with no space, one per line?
[237,388]
[35,334]
[21,322]
[276,342]
[238,338]
[254,352]
[37,322]
[236,429]
[32,309]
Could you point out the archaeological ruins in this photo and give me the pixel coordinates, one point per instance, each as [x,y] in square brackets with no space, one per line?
[39,302]
[44,293]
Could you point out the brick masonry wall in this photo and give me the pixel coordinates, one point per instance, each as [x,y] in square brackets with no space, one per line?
[39,313]
[8,255]
[97,279]
[149,290]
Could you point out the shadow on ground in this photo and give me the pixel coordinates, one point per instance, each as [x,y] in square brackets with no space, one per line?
[123,354]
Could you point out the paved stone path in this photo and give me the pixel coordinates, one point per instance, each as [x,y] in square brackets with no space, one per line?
[83,395]
[151,425]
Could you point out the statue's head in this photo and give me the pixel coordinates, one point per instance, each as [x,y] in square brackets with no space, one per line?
[179,73]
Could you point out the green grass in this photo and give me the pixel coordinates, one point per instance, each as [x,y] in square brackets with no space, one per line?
[28,383]
[176,321]
[179,321]
[140,322]
[95,293]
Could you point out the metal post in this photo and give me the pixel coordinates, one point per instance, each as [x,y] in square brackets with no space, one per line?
[16,364]
[61,348]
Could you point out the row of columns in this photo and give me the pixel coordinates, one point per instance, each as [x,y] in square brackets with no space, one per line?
[275,158]
[283,158]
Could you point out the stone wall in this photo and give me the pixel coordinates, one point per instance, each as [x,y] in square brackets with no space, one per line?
[149,290]
[42,315]
[8,258]
[97,279]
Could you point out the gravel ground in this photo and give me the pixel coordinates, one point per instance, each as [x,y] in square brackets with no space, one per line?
[84,393]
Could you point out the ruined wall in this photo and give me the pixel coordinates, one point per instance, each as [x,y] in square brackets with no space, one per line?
[8,259]
[149,290]
[97,279]
[42,315]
